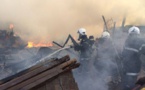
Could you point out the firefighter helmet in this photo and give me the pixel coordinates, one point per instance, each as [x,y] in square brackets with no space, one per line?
[82,31]
[105,35]
[134,30]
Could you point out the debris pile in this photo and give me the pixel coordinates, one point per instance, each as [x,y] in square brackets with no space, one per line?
[43,73]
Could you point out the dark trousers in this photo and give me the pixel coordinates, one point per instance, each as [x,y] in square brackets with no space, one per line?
[84,67]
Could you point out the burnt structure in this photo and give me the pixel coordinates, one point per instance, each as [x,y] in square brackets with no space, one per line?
[8,40]
[9,44]
[50,74]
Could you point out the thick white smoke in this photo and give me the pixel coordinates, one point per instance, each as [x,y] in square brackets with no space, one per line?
[53,20]
[47,20]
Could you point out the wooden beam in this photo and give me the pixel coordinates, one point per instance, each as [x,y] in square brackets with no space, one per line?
[34,71]
[36,80]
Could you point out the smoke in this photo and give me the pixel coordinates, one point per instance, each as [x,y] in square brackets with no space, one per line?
[47,20]
[53,20]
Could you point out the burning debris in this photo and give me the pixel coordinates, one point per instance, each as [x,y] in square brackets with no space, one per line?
[17,55]
[106,63]
[40,44]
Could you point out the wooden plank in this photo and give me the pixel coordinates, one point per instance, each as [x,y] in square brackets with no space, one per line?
[59,70]
[34,81]
[41,87]
[52,85]
[68,82]
[64,81]
[22,72]
[48,62]
[49,84]
[57,85]
[32,73]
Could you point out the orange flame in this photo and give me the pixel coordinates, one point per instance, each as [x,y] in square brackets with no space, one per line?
[11,26]
[32,44]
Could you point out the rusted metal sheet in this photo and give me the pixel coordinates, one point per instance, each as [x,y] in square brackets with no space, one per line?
[40,74]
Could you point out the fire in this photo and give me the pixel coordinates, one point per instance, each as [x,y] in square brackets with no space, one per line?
[30,44]
[40,44]
[11,26]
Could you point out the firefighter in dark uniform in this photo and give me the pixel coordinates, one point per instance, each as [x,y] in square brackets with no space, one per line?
[85,49]
[104,62]
[131,58]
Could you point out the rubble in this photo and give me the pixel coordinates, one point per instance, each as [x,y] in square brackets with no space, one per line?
[43,73]
[34,68]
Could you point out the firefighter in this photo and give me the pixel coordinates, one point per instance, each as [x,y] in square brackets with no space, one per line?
[104,62]
[131,58]
[105,50]
[85,43]
[85,49]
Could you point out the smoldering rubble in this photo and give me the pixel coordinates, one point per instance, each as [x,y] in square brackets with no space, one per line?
[93,79]
[39,20]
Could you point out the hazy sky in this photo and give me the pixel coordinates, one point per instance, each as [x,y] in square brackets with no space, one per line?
[49,20]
